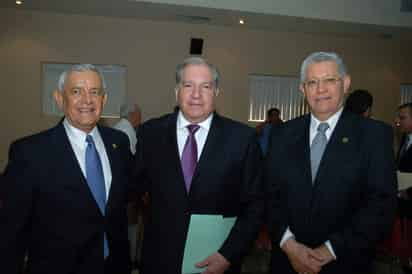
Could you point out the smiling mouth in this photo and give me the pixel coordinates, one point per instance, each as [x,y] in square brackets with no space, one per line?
[86,111]
[322,99]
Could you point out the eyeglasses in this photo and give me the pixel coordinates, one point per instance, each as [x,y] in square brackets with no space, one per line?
[326,82]
[78,92]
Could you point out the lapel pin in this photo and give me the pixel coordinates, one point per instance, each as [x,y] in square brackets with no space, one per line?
[114,146]
[345,140]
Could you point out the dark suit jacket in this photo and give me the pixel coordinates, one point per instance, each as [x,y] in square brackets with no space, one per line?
[352,201]
[405,165]
[225,182]
[49,211]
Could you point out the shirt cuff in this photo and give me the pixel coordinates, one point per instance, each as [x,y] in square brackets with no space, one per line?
[286,236]
[329,246]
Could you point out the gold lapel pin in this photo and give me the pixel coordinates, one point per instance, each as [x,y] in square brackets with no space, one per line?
[345,140]
[114,146]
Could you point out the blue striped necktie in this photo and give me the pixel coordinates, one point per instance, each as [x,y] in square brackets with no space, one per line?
[95,180]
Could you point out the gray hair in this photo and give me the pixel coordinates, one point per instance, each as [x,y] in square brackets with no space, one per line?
[321,56]
[196,61]
[79,68]
[127,108]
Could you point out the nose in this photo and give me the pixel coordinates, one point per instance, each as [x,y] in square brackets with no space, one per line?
[86,96]
[321,87]
[196,92]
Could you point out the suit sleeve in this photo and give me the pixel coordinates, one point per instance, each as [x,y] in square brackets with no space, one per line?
[275,215]
[138,183]
[374,219]
[16,196]
[247,225]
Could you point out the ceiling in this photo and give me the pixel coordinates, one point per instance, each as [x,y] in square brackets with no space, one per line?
[210,16]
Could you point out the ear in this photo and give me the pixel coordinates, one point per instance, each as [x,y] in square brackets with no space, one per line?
[104,99]
[176,92]
[346,83]
[58,97]
[302,89]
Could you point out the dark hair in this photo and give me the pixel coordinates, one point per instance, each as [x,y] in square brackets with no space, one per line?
[359,101]
[271,111]
[406,105]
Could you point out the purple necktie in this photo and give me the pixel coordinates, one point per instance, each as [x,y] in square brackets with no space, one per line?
[189,156]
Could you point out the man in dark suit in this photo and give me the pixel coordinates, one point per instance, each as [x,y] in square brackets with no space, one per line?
[64,189]
[404,156]
[404,161]
[330,179]
[223,178]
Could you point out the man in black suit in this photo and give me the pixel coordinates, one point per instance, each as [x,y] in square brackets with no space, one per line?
[404,161]
[330,179]
[404,156]
[64,189]
[224,181]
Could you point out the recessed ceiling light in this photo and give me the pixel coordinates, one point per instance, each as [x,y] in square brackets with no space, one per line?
[241,21]
[18,2]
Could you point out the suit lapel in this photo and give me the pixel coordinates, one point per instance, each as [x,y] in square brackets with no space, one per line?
[337,148]
[210,150]
[170,150]
[301,152]
[111,149]
[70,168]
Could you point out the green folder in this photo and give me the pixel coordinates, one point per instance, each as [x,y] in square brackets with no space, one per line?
[205,236]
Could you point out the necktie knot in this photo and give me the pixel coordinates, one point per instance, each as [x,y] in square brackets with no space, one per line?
[323,127]
[89,140]
[193,128]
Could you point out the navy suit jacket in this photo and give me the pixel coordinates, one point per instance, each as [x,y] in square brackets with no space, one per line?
[352,200]
[405,165]
[226,182]
[49,212]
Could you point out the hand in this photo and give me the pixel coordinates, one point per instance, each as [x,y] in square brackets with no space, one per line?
[302,258]
[215,264]
[324,254]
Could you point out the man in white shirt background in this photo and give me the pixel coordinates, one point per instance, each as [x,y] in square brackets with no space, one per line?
[130,119]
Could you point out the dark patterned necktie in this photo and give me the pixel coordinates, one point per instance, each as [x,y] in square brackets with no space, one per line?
[189,156]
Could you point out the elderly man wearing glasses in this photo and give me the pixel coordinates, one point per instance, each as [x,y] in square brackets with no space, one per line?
[331,183]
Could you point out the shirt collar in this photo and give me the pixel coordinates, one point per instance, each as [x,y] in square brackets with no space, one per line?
[332,120]
[182,122]
[79,136]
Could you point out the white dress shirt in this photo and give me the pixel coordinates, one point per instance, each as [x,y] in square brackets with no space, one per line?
[125,126]
[201,134]
[77,139]
[313,130]
[409,141]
